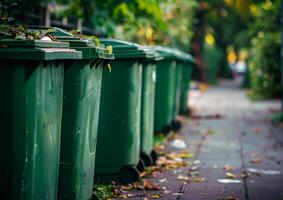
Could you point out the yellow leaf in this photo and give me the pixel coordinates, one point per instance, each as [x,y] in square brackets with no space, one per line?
[109,49]
[155,196]
[231,175]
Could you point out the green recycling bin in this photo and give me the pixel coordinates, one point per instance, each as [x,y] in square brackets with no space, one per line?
[148,155]
[175,124]
[31,76]
[82,89]
[118,143]
[186,61]
[165,90]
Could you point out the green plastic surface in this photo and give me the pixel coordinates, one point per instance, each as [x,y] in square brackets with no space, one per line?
[147,107]
[177,92]
[30,113]
[82,87]
[164,93]
[127,50]
[88,48]
[32,43]
[118,142]
[36,50]
[185,86]
[119,123]
[184,64]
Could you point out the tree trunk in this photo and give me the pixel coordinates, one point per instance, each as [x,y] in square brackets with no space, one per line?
[197,44]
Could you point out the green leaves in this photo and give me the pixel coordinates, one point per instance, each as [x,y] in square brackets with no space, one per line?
[5,7]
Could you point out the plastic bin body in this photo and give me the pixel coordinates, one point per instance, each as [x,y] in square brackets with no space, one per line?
[164,94]
[119,119]
[147,107]
[31,76]
[185,61]
[82,86]
[118,144]
[185,86]
[82,89]
[178,87]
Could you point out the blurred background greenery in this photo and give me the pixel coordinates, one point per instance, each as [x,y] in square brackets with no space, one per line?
[219,33]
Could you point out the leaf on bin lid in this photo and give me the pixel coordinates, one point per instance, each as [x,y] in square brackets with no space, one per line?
[109,49]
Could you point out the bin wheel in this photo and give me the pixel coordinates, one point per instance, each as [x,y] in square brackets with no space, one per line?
[176,125]
[141,165]
[146,159]
[186,112]
[94,197]
[154,156]
[166,130]
[128,174]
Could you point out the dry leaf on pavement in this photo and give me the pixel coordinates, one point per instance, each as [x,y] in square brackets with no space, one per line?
[231,175]
[155,196]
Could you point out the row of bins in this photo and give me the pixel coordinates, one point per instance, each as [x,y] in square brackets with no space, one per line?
[70,121]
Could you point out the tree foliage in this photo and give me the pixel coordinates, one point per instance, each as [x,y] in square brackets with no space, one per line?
[264,59]
[167,22]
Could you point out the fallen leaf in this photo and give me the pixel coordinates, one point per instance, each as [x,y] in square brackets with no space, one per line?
[256,160]
[245,174]
[177,194]
[159,147]
[230,175]
[147,185]
[193,174]
[232,198]
[228,168]
[126,187]
[155,196]
[185,155]
[181,177]
[257,130]
[210,131]
[197,179]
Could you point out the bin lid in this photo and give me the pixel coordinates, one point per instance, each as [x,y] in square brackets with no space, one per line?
[155,55]
[127,50]
[184,57]
[21,49]
[166,53]
[89,49]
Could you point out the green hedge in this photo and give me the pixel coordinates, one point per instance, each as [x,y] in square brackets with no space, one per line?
[264,65]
